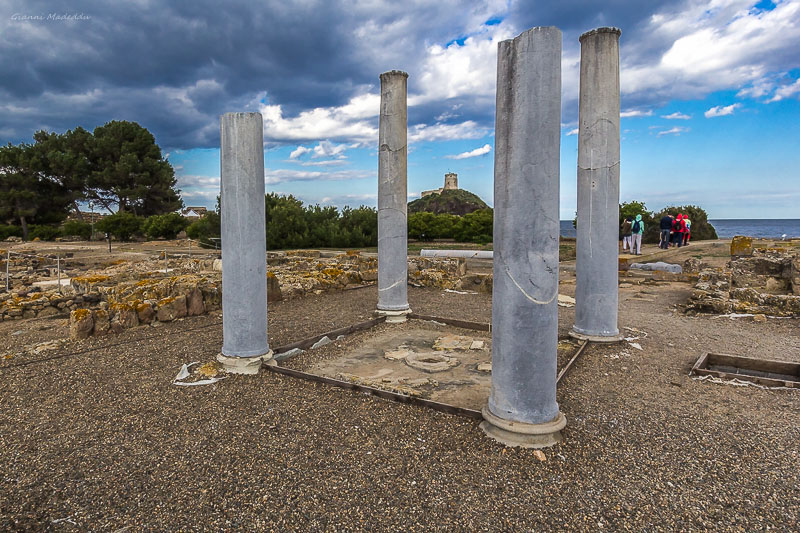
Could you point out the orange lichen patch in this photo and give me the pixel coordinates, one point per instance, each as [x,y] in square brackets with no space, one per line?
[270,274]
[90,279]
[143,282]
[121,306]
[332,272]
[165,301]
[142,307]
[80,314]
[353,252]
[209,370]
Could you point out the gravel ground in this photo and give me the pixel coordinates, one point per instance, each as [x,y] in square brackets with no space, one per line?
[101,440]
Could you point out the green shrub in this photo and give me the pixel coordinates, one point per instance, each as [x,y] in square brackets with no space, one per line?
[205,228]
[290,224]
[164,226]
[7,231]
[77,228]
[475,227]
[121,225]
[43,232]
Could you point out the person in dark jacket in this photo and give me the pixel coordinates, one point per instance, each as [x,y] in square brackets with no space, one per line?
[666,227]
[627,224]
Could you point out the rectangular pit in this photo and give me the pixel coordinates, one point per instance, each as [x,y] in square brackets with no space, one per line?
[767,372]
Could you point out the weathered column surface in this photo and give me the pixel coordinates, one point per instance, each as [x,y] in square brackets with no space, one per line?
[522,409]
[244,259]
[392,198]
[597,264]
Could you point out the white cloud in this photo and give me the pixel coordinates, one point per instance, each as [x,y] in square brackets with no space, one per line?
[457,70]
[328,149]
[677,115]
[635,113]
[786,91]
[297,152]
[485,149]
[324,163]
[714,46]
[677,130]
[353,121]
[282,175]
[721,111]
[572,132]
[446,132]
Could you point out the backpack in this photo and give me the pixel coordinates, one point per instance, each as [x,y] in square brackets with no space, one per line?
[636,227]
[676,226]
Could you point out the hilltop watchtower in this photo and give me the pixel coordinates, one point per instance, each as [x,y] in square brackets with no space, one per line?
[450,181]
[450,184]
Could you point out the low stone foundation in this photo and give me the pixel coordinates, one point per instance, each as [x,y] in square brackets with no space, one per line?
[765,282]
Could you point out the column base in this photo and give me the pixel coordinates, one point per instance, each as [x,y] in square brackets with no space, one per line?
[245,365]
[521,434]
[394,317]
[608,339]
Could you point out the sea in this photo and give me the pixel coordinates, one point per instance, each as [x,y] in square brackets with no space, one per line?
[768,228]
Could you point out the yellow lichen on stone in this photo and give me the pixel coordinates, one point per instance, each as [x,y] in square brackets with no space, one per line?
[80,314]
[741,246]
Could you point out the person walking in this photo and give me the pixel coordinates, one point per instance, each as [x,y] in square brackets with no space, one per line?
[627,224]
[636,232]
[688,225]
[666,228]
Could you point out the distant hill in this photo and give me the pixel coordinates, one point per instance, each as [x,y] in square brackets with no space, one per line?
[454,202]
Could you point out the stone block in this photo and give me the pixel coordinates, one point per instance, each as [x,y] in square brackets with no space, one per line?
[273,288]
[125,316]
[81,324]
[47,311]
[741,246]
[194,303]
[795,275]
[145,312]
[171,308]
[102,321]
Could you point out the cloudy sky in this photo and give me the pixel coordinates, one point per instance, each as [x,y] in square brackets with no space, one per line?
[710,89]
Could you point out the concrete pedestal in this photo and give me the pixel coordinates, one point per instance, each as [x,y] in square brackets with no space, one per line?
[393,196]
[522,409]
[597,265]
[244,257]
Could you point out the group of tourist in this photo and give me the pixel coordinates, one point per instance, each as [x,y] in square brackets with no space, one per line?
[675,231]
[632,231]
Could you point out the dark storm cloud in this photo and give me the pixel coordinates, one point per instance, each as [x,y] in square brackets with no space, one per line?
[175,67]
[149,60]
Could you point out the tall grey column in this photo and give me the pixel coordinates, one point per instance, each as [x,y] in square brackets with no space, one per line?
[392,198]
[244,256]
[522,409]
[597,264]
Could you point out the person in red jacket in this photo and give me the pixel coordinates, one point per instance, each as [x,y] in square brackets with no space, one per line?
[678,229]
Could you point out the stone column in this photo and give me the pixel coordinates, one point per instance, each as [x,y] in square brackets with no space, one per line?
[522,409]
[392,198]
[244,257]
[597,264]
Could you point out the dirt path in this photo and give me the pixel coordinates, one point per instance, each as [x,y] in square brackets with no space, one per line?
[101,440]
